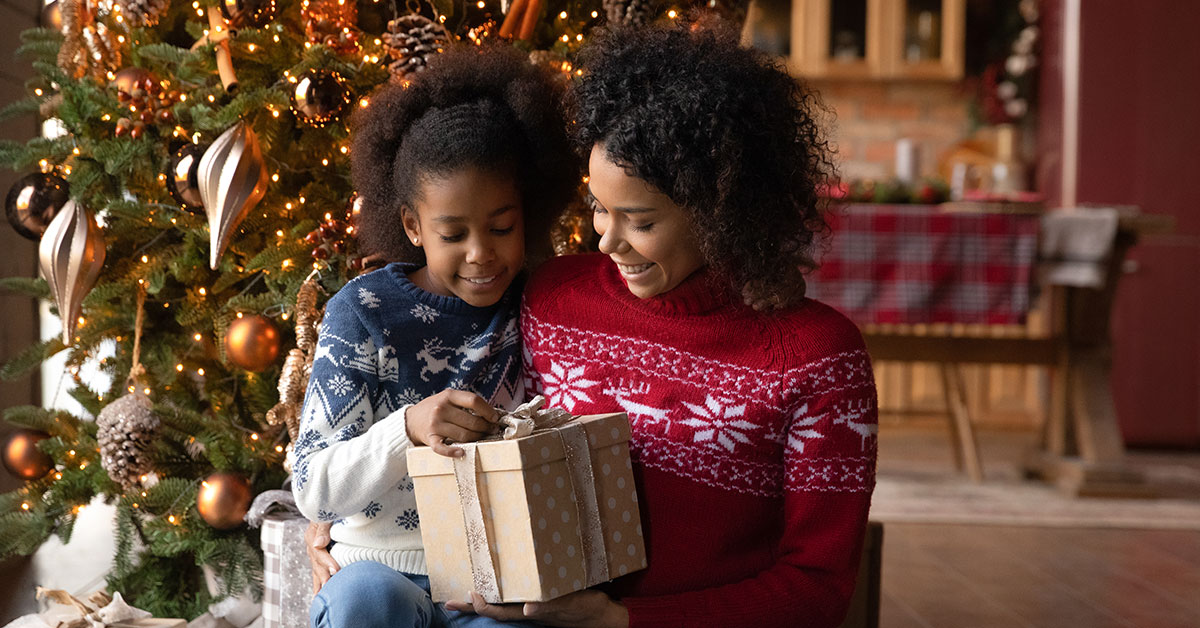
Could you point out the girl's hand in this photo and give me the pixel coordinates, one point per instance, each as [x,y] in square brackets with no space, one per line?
[316,541]
[585,609]
[454,415]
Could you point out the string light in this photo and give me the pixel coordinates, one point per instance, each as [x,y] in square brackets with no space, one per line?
[254,437]
[203,292]
[171,518]
[179,368]
[200,372]
[197,337]
[561,16]
[671,14]
[25,506]
[279,448]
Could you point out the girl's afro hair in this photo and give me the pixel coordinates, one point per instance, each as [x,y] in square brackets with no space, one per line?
[482,106]
[726,133]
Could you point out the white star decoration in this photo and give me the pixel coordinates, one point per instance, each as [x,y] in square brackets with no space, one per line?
[564,386]
[797,436]
[715,425]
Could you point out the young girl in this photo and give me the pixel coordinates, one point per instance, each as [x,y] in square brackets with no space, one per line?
[753,408]
[458,170]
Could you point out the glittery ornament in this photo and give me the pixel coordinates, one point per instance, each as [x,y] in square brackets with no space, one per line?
[70,255]
[297,367]
[252,342]
[319,96]
[21,456]
[224,500]
[182,176]
[411,40]
[125,429]
[89,45]
[233,179]
[142,13]
[34,201]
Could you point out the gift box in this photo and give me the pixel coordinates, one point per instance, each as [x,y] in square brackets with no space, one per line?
[532,518]
[287,576]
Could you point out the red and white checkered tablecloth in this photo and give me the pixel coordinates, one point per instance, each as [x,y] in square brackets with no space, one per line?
[913,264]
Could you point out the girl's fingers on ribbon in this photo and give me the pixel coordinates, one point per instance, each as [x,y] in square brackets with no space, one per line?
[442,448]
[473,404]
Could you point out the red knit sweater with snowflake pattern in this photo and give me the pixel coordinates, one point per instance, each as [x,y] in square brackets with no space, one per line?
[753,439]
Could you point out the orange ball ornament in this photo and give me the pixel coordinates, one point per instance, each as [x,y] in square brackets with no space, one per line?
[21,456]
[252,342]
[224,500]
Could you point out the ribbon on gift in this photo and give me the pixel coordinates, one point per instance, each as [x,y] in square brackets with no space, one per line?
[269,502]
[102,611]
[526,420]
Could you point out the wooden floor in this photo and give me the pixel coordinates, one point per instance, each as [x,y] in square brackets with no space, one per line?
[947,576]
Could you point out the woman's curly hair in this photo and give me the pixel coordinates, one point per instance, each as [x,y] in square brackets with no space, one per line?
[482,106]
[726,133]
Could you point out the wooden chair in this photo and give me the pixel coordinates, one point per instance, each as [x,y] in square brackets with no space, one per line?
[864,603]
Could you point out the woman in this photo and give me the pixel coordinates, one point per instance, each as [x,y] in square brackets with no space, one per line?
[753,409]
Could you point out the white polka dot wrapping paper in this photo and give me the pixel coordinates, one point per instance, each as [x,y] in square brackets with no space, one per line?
[538,531]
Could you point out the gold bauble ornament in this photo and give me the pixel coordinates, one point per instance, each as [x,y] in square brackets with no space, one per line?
[224,500]
[252,342]
[21,456]
[71,254]
[233,179]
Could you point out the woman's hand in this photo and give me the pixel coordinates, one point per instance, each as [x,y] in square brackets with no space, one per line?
[451,415]
[316,541]
[584,609]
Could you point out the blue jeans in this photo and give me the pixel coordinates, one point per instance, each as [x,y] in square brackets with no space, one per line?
[372,595]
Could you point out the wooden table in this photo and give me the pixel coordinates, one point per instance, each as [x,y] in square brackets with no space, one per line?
[1081,447]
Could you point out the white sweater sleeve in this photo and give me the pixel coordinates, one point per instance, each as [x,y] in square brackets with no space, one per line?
[346,456]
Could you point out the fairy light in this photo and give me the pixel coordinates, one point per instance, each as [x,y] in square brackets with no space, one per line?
[200,372]
[106,117]
[276,38]
[250,47]
[562,16]
[38,91]
[179,368]
[595,15]
[275,177]
[288,206]
[286,263]
[130,389]
[58,476]
[171,518]
[254,436]
[197,337]
[303,200]
[274,113]
[145,259]
[579,37]
[324,162]
[344,150]
[671,14]
[81,320]
[279,233]
[239,314]
[212,98]
[166,305]
[566,39]
[279,448]
[71,453]
[363,103]
[203,291]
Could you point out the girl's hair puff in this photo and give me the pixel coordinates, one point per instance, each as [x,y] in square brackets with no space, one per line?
[726,133]
[482,106]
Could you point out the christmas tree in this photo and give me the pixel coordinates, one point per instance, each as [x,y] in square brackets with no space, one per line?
[192,212]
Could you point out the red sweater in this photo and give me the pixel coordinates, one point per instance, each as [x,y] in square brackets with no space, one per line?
[753,439]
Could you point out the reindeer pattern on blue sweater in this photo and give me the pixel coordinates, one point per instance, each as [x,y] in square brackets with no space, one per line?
[385,344]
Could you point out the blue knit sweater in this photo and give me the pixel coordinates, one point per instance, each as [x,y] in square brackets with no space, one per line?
[386,344]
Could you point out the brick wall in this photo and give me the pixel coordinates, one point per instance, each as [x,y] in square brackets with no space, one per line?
[871,115]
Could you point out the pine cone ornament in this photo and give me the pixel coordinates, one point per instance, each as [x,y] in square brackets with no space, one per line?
[635,12]
[411,40]
[141,13]
[125,429]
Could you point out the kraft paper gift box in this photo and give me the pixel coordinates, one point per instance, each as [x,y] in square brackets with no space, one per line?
[544,515]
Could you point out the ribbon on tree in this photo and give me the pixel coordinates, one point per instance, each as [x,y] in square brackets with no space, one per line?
[526,420]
